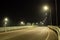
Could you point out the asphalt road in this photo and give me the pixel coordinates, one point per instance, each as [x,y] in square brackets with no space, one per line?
[37,33]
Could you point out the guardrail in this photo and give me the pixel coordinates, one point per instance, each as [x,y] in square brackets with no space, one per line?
[56,29]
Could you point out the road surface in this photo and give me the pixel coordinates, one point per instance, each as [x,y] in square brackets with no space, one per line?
[37,33]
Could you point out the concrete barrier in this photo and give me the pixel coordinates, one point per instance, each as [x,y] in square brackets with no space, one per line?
[13,28]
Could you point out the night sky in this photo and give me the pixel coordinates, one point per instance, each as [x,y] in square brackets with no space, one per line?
[25,10]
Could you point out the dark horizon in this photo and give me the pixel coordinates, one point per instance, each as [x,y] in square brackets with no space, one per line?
[25,10]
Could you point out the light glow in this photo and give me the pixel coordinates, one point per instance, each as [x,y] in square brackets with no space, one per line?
[6,19]
[22,23]
[45,8]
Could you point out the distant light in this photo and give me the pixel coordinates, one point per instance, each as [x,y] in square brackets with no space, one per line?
[36,23]
[22,23]
[41,23]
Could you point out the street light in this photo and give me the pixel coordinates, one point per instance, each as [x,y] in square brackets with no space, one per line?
[6,19]
[46,9]
[5,23]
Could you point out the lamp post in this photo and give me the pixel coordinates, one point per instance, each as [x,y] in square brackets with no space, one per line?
[5,23]
[56,13]
[46,8]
